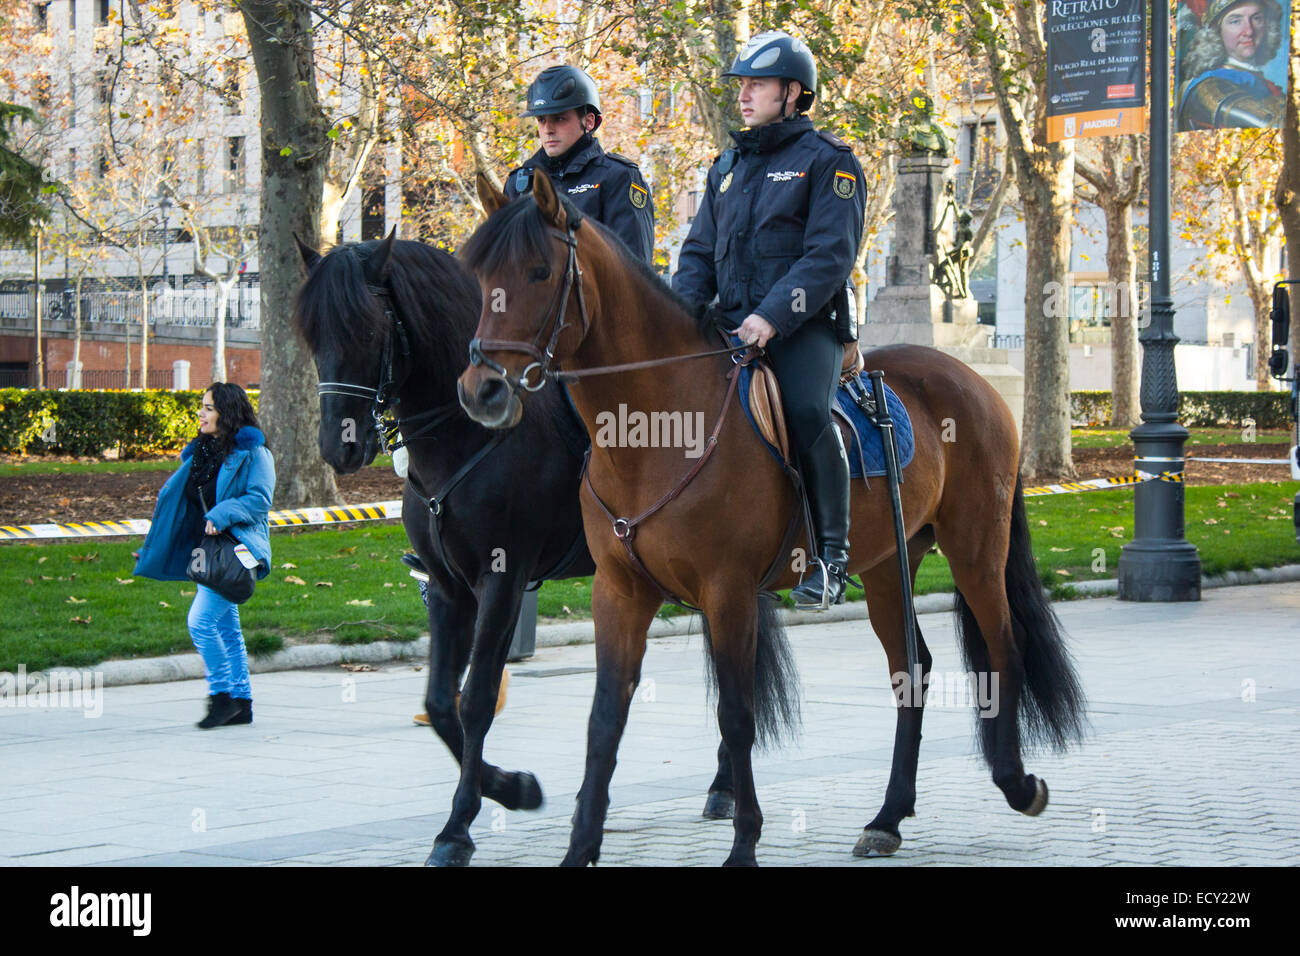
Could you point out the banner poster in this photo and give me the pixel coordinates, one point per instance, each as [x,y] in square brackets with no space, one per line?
[1230,64]
[1096,68]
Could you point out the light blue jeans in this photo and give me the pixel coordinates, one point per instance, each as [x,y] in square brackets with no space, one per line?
[214,628]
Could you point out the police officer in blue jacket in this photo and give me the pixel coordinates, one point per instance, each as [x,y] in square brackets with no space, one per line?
[605,186]
[773,242]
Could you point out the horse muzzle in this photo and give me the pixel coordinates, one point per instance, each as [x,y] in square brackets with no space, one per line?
[489,398]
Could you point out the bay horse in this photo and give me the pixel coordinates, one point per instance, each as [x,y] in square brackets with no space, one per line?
[623,338]
[388,324]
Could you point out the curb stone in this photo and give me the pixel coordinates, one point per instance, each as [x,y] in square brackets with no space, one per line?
[177,667]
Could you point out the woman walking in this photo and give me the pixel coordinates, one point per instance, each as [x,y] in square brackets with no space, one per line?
[224,484]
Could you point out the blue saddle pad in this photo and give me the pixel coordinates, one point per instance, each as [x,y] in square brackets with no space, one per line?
[873,451]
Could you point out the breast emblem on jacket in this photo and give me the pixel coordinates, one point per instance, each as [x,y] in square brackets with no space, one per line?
[785,175]
[583,188]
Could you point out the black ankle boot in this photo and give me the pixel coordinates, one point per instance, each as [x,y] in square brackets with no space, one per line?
[243,711]
[220,711]
[826,478]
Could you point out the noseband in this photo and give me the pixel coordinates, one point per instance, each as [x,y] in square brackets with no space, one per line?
[384,399]
[555,316]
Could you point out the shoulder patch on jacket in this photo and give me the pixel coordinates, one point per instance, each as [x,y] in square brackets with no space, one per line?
[834,141]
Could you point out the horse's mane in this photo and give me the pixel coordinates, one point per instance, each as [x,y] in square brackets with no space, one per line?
[516,234]
[437,300]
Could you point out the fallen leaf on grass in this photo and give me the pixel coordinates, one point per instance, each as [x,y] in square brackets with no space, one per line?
[289,566]
[163,604]
[1042,523]
[351,550]
[324,584]
[30,581]
[72,599]
[1062,550]
[366,603]
[293,579]
[79,620]
[125,580]
[43,559]
[1209,520]
[88,556]
[1063,573]
[388,584]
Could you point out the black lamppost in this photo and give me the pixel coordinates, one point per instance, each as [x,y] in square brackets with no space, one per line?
[165,207]
[1159,564]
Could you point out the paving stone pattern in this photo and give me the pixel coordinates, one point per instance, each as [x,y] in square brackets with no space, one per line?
[1192,759]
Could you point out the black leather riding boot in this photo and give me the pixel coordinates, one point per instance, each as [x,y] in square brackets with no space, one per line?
[826,477]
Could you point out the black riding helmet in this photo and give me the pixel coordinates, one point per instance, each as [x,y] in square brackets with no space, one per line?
[560,88]
[776,53]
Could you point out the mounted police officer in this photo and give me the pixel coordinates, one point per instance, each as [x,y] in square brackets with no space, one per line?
[774,241]
[606,186]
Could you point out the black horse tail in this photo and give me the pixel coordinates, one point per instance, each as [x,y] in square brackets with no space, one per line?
[777,712]
[1051,701]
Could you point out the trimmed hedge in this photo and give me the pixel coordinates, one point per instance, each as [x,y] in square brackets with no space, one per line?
[88,423]
[1199,409]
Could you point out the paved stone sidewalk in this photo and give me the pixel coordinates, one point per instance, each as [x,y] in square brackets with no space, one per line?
[1192,759]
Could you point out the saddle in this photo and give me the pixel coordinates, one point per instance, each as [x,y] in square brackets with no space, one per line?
[767,409]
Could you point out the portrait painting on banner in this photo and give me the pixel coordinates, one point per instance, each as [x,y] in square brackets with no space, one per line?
[1231,64]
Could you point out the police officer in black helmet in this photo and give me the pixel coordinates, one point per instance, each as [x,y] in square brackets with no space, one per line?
[606,186]
[774,241]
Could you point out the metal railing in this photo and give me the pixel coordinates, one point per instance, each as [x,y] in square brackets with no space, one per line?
[91,379]
[194,307]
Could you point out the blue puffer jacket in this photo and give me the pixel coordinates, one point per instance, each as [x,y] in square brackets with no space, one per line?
[245,485]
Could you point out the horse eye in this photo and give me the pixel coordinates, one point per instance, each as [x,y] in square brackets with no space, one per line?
[539,274]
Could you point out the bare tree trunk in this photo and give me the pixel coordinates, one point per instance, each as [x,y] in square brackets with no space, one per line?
[76,333]
[219,332]
[1121,270]
[1288,199]
[295,150]
[718,109]
[1045,441]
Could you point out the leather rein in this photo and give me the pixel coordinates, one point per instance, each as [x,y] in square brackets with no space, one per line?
[624,528]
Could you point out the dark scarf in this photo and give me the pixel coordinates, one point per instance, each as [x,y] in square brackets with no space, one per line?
[209,453]
[557,164]
[770,138]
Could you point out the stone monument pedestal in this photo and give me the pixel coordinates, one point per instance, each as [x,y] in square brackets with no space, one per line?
[911,309]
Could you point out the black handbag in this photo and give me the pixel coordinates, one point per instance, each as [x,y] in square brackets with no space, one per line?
[221,563]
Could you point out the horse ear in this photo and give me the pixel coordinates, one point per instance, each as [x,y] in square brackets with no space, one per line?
[379,262]
[547,199]
[491,197]
[309,255]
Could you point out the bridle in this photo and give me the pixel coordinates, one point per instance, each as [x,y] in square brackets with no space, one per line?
[542,360]
[555,317]
[384,400]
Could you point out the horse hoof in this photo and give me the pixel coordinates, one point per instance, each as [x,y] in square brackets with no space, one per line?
[450,853]
[1039,803]
[877,843]
[721,805]
[528,793]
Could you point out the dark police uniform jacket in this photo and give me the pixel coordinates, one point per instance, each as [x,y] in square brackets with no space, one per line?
[605,186]
[778,228]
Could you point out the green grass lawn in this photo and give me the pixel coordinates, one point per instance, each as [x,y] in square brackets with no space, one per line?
[35,465]
[76,603]
[1116,438]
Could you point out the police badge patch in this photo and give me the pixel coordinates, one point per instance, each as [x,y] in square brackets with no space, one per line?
[845,184]
[637,195]
[725,184]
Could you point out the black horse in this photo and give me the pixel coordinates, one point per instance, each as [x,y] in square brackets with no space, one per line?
[389,324]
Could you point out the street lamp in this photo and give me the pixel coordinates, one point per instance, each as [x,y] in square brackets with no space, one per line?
[164,207]
[1159,564]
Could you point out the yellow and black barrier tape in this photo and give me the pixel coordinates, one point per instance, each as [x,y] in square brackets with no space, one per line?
[375,511]
[1100,484]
